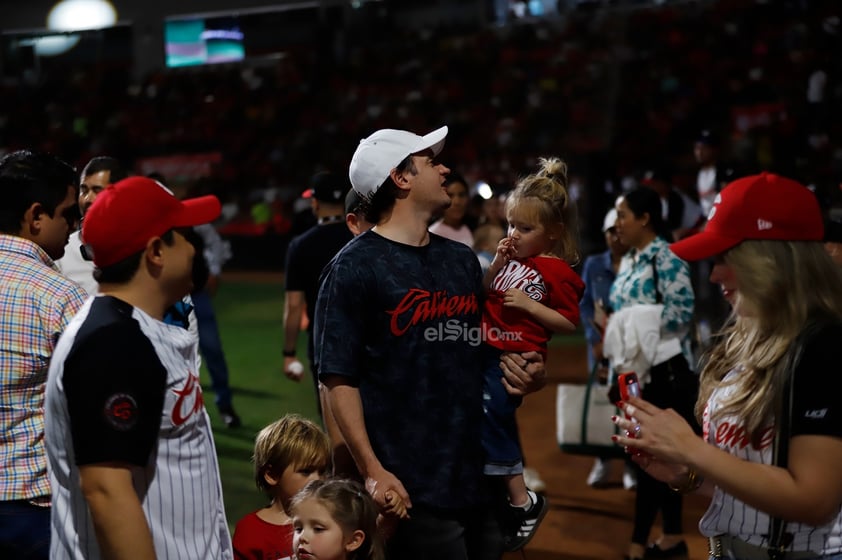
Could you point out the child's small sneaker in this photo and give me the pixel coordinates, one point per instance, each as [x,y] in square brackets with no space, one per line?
[525,522]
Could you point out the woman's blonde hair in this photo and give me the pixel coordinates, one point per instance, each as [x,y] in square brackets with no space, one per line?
[782,284]
[543,197]
[290,441]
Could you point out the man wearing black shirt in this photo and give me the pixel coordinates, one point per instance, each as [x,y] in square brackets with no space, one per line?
[397,332]
[307,255]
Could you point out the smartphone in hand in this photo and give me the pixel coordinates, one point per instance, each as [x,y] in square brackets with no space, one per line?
[629,387]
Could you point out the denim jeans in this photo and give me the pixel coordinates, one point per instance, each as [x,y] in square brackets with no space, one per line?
[24,531]
[500,438]
[210,345]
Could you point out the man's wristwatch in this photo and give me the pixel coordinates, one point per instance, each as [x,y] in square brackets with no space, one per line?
[289,353]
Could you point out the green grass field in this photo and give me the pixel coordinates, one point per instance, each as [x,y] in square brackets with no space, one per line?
[250,323]
[250,316]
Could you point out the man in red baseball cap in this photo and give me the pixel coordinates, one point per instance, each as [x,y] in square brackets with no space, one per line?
[125,423]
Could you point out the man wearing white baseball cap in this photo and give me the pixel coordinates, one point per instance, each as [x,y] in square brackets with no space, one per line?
[398,338]
[383,151]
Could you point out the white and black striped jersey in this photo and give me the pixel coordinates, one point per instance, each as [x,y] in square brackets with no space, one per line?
[124,387]
[816,411]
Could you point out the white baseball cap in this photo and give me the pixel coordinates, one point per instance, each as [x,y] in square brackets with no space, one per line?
[381,152]
[610,220]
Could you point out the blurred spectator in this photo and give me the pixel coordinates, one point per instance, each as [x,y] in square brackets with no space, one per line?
[833,240]
[661,70]
[97,174]
[354,216]
[494,211]
[598,273]
[215,252]
[711,308]
[452,222]
[681,214]
[486,238]
[710,177]
[651,274]
[38,212]
[307,256]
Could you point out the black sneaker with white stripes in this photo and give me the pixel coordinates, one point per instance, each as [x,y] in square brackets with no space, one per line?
[525,522]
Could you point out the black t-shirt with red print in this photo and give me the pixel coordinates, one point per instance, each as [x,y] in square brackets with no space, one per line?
[403,324]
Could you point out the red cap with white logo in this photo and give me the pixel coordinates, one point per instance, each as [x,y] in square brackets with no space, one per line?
[764,206]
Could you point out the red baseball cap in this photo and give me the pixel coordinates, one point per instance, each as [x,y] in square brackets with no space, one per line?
[764,206]
[128,213]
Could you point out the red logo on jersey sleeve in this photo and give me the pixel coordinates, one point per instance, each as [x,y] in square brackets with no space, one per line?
[121,412]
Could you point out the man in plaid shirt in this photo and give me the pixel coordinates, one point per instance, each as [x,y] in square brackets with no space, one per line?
[36,303]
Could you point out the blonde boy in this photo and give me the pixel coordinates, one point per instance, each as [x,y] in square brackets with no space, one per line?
[288,454]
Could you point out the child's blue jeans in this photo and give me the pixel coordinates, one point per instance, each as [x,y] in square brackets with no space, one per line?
[500,438]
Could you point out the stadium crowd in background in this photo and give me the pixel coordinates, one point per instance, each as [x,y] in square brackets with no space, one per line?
[623,89]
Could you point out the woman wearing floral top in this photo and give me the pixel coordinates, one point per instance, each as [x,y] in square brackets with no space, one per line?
[649,274]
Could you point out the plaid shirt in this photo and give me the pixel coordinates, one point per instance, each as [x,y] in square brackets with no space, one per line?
[36,303]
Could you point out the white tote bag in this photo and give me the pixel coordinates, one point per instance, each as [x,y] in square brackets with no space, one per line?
[583,419]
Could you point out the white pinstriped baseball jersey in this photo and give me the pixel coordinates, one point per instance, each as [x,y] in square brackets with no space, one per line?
[728,515]
[134,358]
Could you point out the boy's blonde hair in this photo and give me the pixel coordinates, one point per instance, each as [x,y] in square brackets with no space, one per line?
[290,441]
[543,198]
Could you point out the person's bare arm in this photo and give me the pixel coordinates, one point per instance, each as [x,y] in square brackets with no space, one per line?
[294,305]
[121,528]
[347,410]
[501,257]
[549,318]
[343,463]
[808,491]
